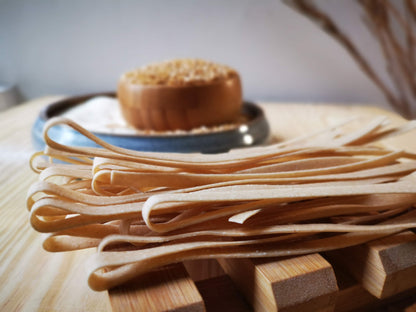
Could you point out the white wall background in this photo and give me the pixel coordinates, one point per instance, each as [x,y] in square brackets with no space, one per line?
[82,46]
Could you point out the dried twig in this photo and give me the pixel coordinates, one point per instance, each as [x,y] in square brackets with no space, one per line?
[380,17]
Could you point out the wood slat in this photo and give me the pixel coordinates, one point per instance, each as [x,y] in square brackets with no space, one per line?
[384,267]
[351,294]
[221,295]
[305,283]
[203,269]
[167,289]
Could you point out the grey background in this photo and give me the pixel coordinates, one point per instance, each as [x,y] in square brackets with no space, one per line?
[72,47]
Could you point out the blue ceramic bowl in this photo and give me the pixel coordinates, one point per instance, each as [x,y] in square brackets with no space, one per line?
[254,131]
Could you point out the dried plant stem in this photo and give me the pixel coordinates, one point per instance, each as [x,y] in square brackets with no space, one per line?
[380,16]
[379,20]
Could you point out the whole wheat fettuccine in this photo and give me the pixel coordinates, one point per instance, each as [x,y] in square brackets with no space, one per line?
[331,189]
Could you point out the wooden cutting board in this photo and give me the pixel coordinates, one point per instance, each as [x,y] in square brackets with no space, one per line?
[34,280]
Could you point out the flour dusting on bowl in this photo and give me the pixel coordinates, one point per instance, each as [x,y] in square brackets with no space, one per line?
[102,114]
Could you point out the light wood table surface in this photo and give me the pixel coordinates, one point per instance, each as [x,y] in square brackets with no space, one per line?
[32,279]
